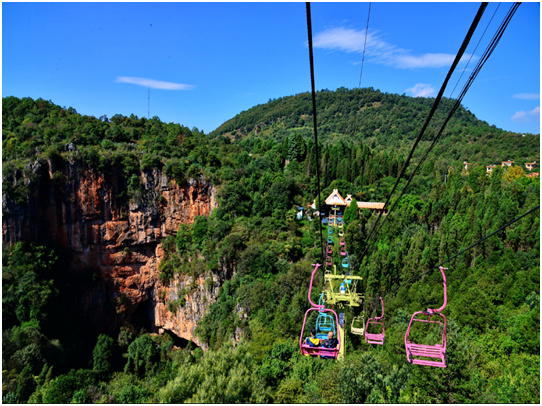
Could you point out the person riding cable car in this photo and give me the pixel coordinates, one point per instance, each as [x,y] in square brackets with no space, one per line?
[331,342]
[320,308]
[312,340]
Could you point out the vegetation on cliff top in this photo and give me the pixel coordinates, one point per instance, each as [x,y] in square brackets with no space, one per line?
[493,290]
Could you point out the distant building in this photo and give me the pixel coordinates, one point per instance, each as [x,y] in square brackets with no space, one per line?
[374,206]
[335,199]
[530,165]
[489,168]
[466,165]
[507,163]
[532,175]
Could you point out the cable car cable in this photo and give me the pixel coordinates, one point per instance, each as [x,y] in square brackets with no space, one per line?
[311,60]
[365,44]
[456,61]
[433,108]
[487,53]
[474,51]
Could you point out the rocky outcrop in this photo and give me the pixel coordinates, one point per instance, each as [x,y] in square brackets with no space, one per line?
[116,237]
[182,320]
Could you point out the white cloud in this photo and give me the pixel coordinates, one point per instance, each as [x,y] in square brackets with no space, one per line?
[351,40]
[527,96]
[527,116]
[154,84]
[348,40]
[422,90]
[425,61]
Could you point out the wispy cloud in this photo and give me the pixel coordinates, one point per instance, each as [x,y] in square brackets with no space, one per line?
[424,61]
[527,96]
[422,90]
[344,39]
[351,40]
[527,116]
[154,84]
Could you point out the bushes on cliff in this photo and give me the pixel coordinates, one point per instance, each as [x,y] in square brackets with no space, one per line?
[63,388]
[226,376]
[143,353]
[170,263]
[28,287]
[103,354]
[16,181]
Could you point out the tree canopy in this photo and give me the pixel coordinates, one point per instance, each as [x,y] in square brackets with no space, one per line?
[263,164]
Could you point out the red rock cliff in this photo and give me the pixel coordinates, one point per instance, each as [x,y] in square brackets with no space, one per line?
[84,211]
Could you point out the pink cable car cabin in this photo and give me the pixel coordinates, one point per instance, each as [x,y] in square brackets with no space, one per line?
[376,338]
[319,351]
[431,355]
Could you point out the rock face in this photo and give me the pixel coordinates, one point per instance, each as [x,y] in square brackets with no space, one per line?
[116,239]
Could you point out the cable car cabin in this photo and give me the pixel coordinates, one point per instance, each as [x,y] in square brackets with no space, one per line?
[329,230]
[427,354]
[330,240]
[376,323]
[329,249]
[341,233]
[307,349]
[342,241]
[433,325]
[325,220]
[324,322]
[341,290]
[343,250]
[358,325]
[346,262]
[308,345]
[329,261]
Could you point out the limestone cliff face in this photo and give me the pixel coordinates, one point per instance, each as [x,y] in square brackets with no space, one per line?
[117,239]
[182,320]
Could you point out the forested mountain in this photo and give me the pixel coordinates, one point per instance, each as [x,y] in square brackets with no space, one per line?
[257,258]
[380,120]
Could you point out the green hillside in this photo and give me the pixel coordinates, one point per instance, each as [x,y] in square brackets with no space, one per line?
[382,121]
[263,162]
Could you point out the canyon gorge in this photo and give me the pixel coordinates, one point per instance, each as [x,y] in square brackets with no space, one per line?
[116,241]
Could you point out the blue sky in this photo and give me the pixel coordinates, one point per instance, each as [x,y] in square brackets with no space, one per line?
[206,62]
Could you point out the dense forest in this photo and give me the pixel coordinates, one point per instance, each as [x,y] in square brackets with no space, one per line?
[263,163]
